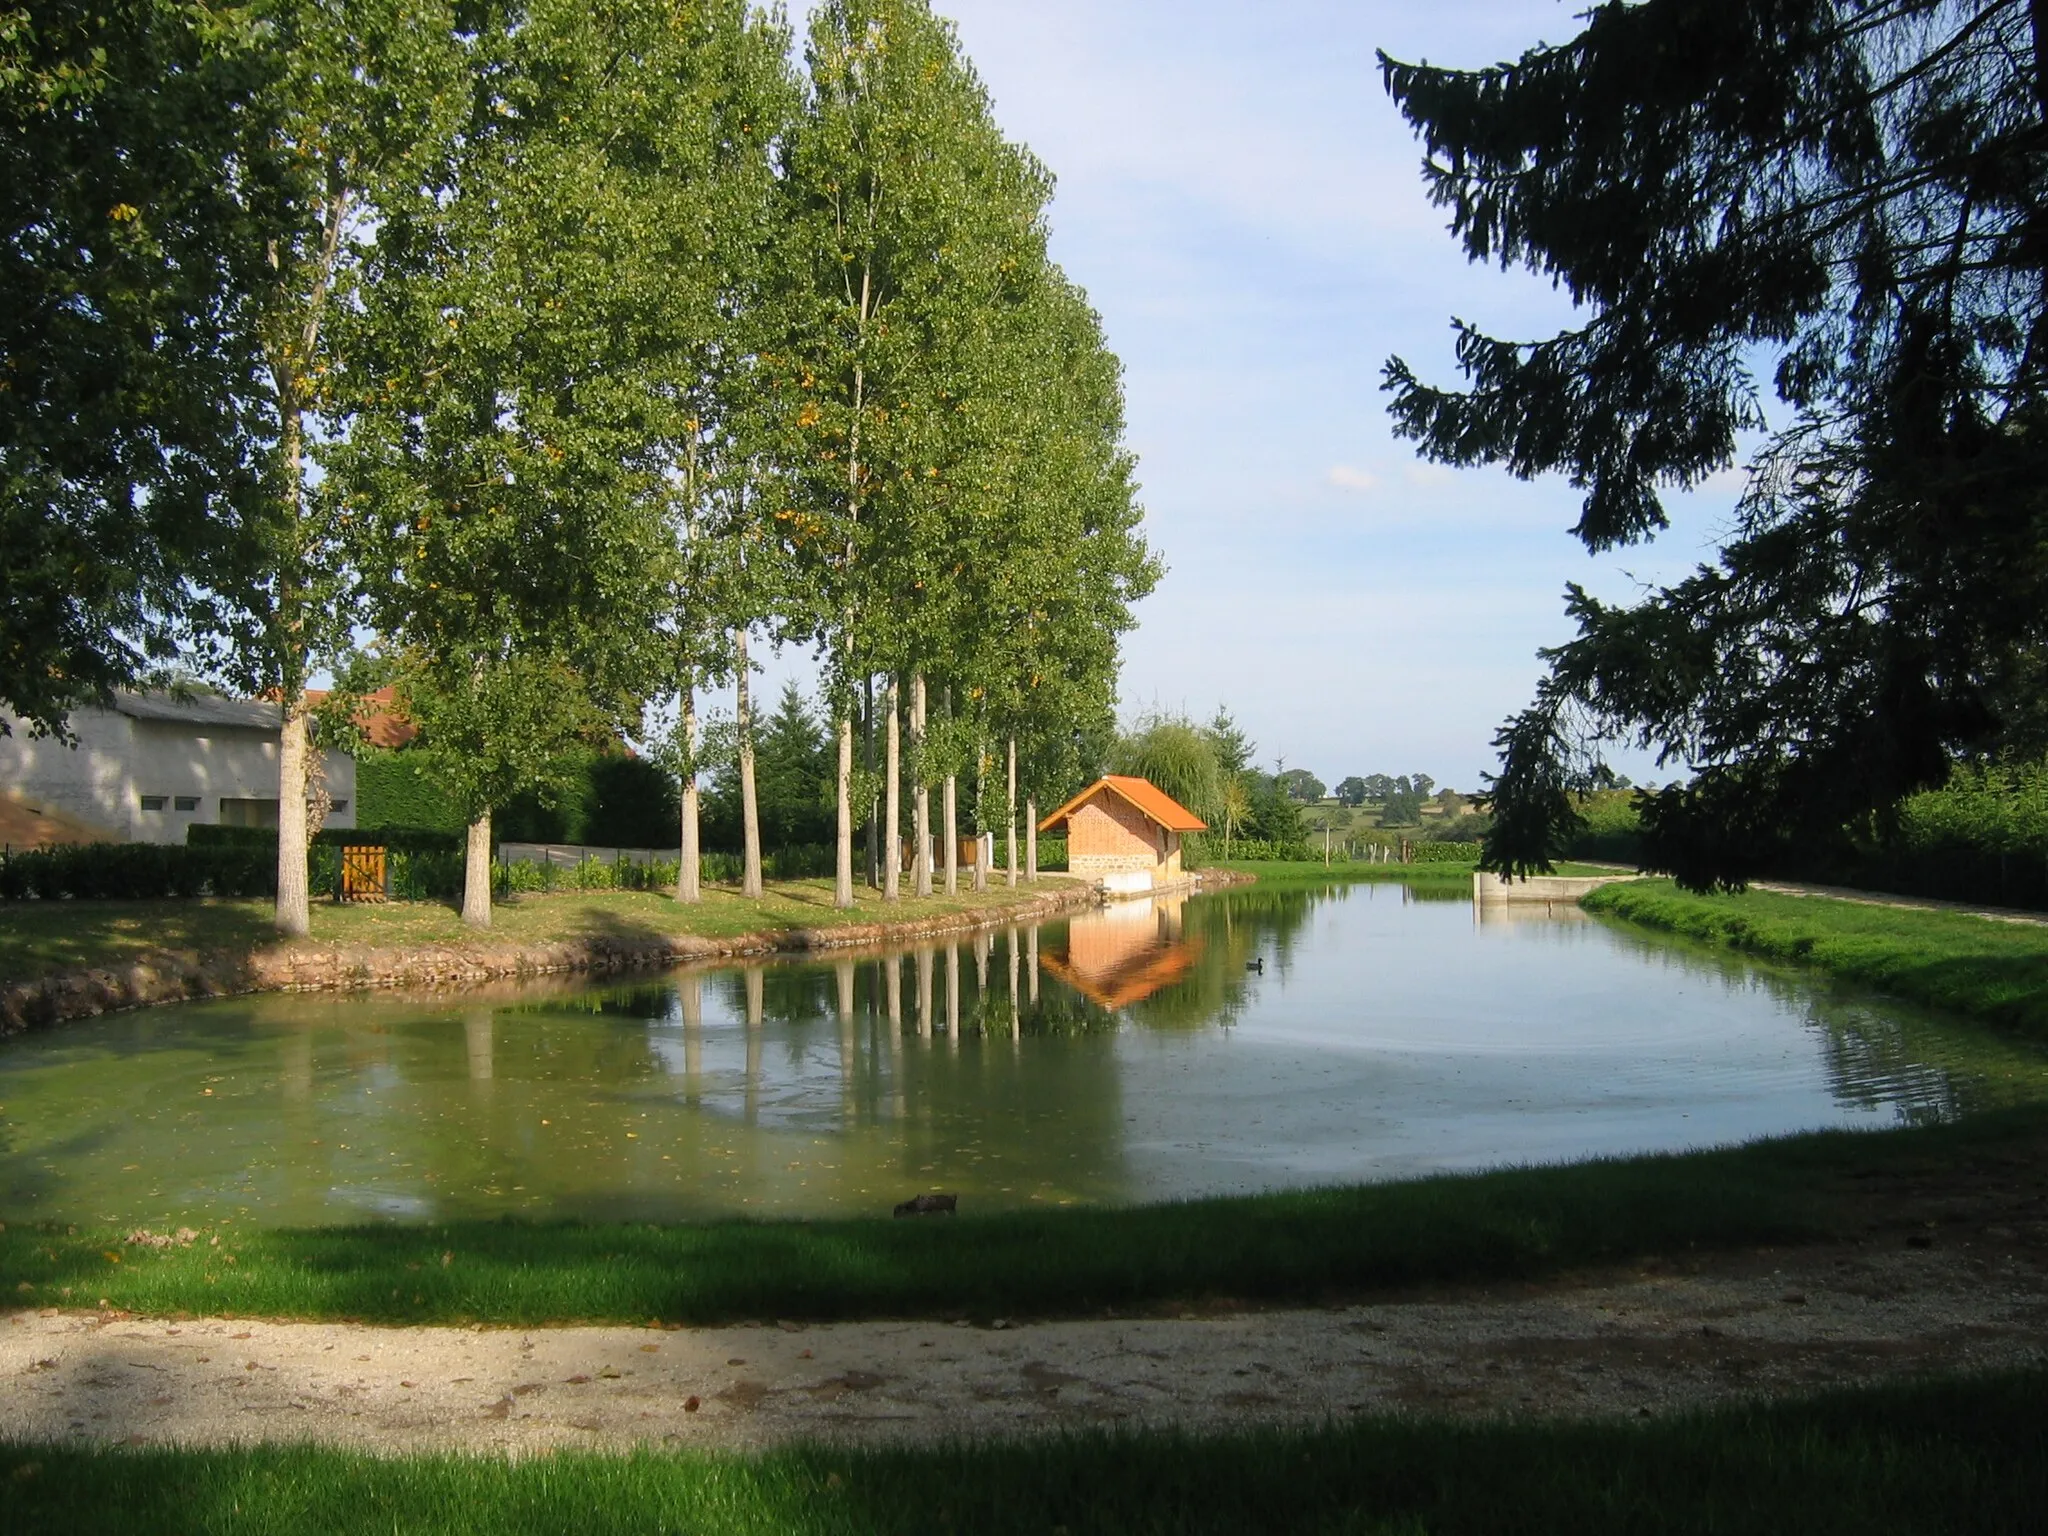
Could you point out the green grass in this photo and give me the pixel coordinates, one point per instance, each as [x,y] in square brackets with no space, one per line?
[38,938]
[1964,1456]
[1996,972]
[1288,1247]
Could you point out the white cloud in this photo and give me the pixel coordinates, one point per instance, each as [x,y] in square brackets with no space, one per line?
[1423,473]
[1346,477]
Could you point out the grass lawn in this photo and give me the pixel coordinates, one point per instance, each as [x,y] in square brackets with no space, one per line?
[1302,1246]
[1963,1456]
[1996,972]
[38,937]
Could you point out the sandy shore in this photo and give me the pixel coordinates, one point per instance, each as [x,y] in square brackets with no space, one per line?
[1630,1344]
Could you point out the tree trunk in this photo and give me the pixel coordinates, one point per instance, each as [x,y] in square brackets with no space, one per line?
[867,760]
[920,792]
[842,884]
[690,868]
[476,874]
[951,811]
[1010,816]
[750,811]
[892,864]
[293,915]
[952,815]
[1031,839]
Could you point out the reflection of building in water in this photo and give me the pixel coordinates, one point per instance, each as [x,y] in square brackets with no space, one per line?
[1125,952]
[1504,914]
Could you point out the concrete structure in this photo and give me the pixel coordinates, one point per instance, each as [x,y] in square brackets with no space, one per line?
[1492,890]
[1125,833]
[153,765]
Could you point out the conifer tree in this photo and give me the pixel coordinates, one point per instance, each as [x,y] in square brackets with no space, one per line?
[1847,195]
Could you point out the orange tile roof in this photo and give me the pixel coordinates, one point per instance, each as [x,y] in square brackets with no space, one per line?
[381,723]
[1142,793]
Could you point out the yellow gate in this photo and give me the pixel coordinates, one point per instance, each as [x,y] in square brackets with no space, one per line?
[365,876]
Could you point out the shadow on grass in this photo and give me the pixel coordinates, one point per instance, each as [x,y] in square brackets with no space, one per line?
[1293,1247]
[1961,1455]
[38,938]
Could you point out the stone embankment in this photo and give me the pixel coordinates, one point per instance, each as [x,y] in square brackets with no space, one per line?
[303,966]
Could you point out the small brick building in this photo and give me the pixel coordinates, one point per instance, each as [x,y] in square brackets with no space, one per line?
[1125,832]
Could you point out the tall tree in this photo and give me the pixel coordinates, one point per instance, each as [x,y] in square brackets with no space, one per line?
[500,468]
[142,181]
[911,213]
[1849,194]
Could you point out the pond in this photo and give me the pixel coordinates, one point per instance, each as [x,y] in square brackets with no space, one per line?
[1128,1054]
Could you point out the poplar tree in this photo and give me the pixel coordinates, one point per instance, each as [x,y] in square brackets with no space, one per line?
[506,391]
[906,206]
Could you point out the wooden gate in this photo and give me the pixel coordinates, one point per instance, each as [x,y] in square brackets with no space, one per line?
[365,875]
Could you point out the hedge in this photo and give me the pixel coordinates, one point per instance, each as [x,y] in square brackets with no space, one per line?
[136,872]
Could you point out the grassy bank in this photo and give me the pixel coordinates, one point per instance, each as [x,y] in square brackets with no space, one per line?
[1293,1247]
[39,938]
[1993,971]
[1946,1456]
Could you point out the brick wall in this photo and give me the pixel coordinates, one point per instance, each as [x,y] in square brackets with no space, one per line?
[1109,835]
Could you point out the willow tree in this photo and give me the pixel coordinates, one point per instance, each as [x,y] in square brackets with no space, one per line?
[501,467]
[1848,195]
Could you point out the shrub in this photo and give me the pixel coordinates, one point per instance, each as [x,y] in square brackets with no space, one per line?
[1613,831]
[136,872]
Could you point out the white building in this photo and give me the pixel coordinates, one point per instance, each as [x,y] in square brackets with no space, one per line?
[148,768]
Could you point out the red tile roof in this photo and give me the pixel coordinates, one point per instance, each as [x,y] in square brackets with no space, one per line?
[1142,793]
[381,723]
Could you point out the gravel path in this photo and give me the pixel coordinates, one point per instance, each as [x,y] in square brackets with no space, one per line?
[1741,1326]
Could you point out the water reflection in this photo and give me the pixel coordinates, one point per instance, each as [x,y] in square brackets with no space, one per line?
[1130,1053]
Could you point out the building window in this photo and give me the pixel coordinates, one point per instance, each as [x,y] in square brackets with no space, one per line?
[186,803]
[152,802]
[339,808]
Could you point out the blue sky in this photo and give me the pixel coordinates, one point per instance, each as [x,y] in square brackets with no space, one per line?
[1243,205]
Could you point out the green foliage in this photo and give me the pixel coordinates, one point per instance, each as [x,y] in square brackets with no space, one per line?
[1401,809]
[1175,755]
[1302,786]
[1200,850]
[1980,838]
[1610,827]
[398,789]
[1847,191]
[137,871]
[793,783]
[1274,818]
[141,179]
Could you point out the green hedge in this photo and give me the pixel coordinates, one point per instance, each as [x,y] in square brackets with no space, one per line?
[137,872]
[395,789]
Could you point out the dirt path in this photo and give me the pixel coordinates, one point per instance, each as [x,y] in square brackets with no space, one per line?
[1620,1345]
[1910,903]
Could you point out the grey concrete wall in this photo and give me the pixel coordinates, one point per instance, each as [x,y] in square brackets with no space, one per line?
[119,760]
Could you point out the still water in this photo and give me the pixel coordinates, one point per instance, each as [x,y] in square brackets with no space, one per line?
[1128,1054]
